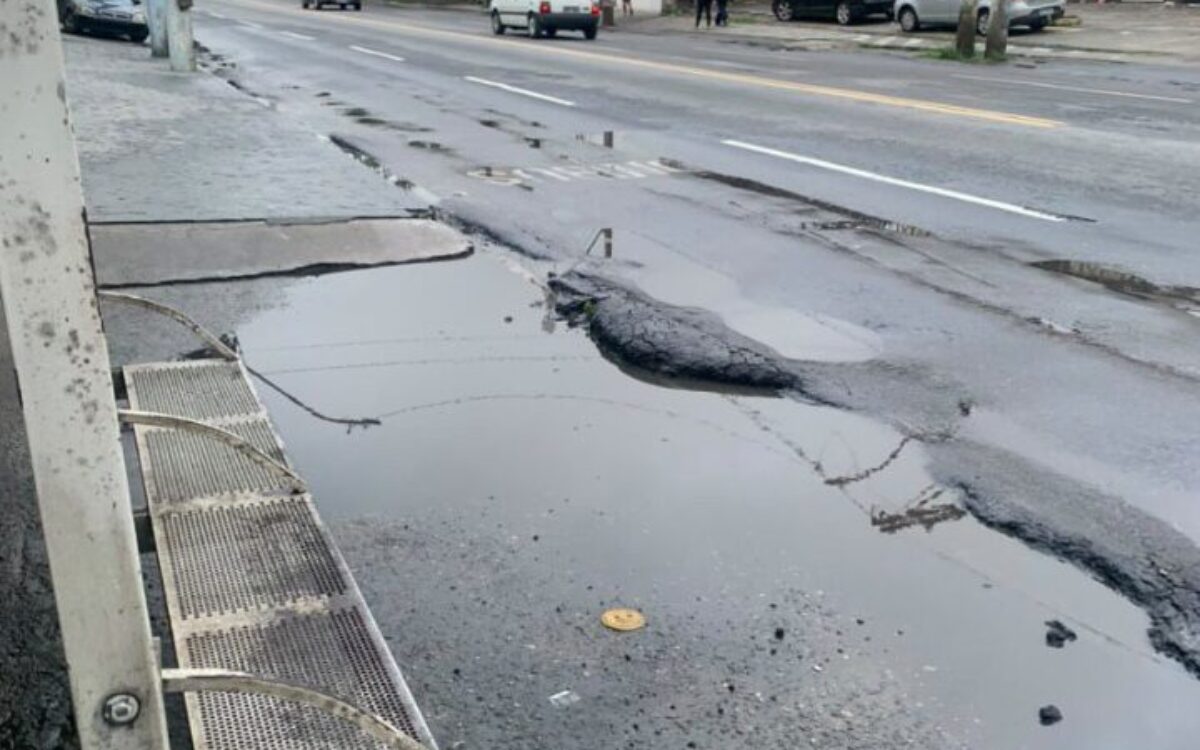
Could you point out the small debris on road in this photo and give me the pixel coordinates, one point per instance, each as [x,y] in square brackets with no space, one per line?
[1048,715]
[623,620]
[565,698]
[1058,634]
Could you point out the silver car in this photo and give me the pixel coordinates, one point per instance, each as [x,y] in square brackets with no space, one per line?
[913,15]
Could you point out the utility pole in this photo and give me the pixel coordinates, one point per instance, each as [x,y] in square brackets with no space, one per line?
[964,41]
[60,357]
[997,31]
[179,35]
[156,17]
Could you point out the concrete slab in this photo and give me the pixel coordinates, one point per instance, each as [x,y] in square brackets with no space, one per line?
[152,253]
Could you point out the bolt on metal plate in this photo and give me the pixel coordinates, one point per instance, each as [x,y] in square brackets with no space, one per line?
[121,709]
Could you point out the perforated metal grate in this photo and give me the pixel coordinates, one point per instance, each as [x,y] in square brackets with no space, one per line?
[252,581]
[182,465]
[328,652]
[249,556]
[206,390]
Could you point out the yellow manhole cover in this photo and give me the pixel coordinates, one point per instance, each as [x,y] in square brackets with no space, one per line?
[623,619]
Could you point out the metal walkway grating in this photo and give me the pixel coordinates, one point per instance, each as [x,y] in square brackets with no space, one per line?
[248,557]
[252,579]
[203,389]
[330,651]
[180,465]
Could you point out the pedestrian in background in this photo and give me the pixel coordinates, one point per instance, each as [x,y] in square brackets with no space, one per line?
[722,13]
[705,7]
[627,7]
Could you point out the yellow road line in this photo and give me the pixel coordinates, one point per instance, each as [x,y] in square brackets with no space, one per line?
[920,105]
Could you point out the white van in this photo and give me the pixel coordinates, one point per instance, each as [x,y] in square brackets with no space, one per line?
[545,17]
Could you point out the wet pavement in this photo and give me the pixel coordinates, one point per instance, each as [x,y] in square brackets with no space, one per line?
[807,573]
[520,484]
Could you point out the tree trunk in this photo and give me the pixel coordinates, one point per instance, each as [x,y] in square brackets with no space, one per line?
[997,33]
[965,40]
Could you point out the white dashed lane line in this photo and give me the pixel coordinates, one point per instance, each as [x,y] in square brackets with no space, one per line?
[1077,89]
[301,37]
[376,53]
[1011,208]
[522,92]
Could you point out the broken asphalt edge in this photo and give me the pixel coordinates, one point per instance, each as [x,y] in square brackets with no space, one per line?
[308,270]
[1132,552]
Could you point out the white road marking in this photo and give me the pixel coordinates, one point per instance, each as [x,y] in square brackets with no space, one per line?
[302,37]
[250,24]
[523,92]
[1060,87]
[931,189]
[376,53]
[221,16]
[629,170]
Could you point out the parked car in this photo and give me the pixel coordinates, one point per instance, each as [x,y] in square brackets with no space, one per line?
[844,12]
[917,14]
[108,17]
[545,17]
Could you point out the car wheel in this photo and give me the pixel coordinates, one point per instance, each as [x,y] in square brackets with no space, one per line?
[535,27]
[981,23]
[357,6]
[304,4]
[589,32]
[551,33]
[845,14]
[139,36]
[497,26]
[783,10]
[341,6]
[909,21]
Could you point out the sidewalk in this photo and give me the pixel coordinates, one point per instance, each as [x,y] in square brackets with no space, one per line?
[161,151]
[161,146]
[1115,33]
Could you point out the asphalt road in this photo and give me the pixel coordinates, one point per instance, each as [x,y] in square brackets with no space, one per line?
[869,213]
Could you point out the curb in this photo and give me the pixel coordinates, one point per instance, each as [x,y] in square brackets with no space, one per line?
[1018,50]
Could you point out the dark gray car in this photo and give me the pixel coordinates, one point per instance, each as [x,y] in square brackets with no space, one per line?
[106,17]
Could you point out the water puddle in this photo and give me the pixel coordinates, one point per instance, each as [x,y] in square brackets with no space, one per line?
[434,146]
[791,332]
[799,583]
[370,161]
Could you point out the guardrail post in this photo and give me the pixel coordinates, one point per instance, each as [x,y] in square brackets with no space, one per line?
[179,35]
[156,18]
[62,368]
